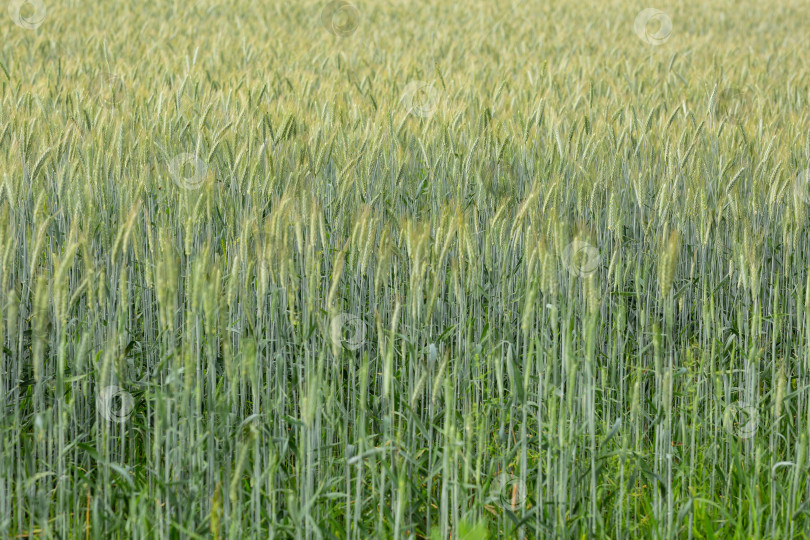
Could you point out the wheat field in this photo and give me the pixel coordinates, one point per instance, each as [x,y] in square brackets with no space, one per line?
[395,269]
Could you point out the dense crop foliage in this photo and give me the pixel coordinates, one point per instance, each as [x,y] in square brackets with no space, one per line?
[405,269]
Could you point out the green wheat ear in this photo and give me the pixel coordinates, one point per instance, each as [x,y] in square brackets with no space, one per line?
[215,516]
[668,262]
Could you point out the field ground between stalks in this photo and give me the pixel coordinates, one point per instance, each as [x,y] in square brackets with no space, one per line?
[468,270]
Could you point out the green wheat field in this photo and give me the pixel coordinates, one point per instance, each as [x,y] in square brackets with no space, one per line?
[405,269]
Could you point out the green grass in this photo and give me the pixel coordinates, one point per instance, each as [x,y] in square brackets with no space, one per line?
[435,270]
